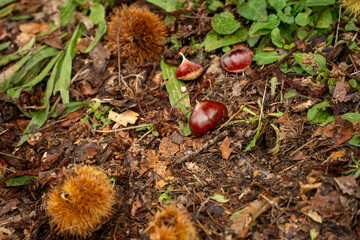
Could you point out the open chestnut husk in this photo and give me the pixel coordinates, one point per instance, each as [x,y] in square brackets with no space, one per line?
[188,70]
[206,116]
[237,60]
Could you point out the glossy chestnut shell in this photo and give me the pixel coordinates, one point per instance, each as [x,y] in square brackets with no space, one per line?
[206,116]
[237,60]
[188,70]
[24,98]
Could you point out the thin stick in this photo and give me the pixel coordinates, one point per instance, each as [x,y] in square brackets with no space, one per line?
[337,27]
[262,106]
[121,129]
[234,115]
[119,58]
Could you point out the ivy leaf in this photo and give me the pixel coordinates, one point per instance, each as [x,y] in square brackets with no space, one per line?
[263,58]
[276,38]
[253,9]
[272,22]
[319,113]
[225,23]
[214,40]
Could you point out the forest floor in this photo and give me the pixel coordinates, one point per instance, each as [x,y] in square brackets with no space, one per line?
[287,156]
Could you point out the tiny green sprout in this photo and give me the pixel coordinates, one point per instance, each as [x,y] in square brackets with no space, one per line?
[356,170]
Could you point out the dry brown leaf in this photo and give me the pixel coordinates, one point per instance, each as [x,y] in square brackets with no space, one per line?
[167,148]
[327,205]
[314,216]
[335,156]
[304,188]
[340,91]
[225,148]
[124,118]
[244,219]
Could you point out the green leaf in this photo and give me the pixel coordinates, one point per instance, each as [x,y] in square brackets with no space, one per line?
[178,99]
[66,11]
[253,9]
[253,141]
[33,60]
[276,38]
[101,31]
[272,22]
[6,2]
[263,58]
[352,117]
[14,56]
[19,180]
[319,112]
[325,19]
[286,18]
[219,198]
[7,10]
[97,14]
[302,19]
[215,5]
[214,41]
[313,3]
[350,26]
[62,84]
[167,5]
[355,140]
[278,5]
[4,45]
[317,58]
[225,23]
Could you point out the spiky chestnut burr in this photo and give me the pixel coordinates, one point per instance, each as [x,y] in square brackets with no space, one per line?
[171,223]
[82,204]
[352,7]
[142,34]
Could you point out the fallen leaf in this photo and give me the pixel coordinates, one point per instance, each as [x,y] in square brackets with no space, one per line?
[225,148]
[167,148]
[314,216]
[247,215]
[340,91]
[124,118]
[327,205]
[336,156]
[304,188]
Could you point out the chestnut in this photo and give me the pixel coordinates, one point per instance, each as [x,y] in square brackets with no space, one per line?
[206,115]
[188,70]
[24,98]
[237,60]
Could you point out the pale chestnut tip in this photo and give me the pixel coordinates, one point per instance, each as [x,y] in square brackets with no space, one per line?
[188,70]
[237,60]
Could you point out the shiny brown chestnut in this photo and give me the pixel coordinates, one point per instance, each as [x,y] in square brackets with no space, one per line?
[237,60]
[188,70]
[24,98]
[206,116]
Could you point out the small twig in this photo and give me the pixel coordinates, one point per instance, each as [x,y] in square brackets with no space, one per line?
[121,129]
[308,143]
[119,58]
[262,106]
[292,166]
[203,147]
[9,155]
[337,27]
[231,118]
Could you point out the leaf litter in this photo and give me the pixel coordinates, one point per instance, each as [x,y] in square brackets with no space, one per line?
[295,111]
